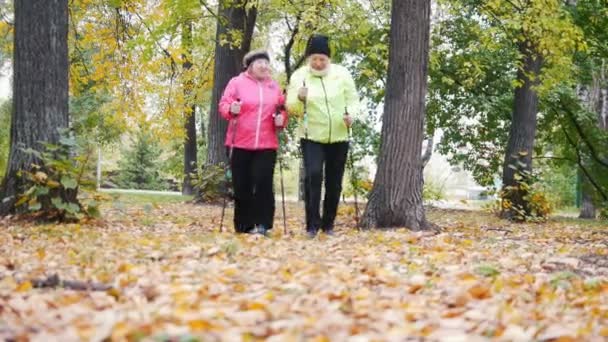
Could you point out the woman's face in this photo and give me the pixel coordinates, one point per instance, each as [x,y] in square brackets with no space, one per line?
[260,69]
[318,61]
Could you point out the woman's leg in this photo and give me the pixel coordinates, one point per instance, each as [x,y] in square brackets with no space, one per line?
[263,198]
[313,155]
[243,190]
[335,162]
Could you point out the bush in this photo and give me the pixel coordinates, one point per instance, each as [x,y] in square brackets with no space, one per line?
[603,215]
[51,188]
[538,204]
[432,190]
[211,183]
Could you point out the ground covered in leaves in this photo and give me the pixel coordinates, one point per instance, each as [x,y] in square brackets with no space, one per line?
[175,277]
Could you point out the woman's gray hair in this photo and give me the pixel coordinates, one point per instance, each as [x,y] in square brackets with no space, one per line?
[252,55]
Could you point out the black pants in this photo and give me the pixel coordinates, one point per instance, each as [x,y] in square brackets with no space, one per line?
[252,173]
[333,157]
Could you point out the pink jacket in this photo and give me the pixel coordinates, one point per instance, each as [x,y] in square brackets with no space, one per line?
[255,129]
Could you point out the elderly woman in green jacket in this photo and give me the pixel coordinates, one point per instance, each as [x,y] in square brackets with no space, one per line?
[324,98]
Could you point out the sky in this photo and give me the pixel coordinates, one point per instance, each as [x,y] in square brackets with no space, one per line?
[5,82]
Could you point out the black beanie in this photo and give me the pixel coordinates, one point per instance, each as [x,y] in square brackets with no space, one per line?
[318,43]
[251,56]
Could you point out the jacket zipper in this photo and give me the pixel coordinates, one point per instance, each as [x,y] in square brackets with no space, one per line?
[261,103]
[327,106]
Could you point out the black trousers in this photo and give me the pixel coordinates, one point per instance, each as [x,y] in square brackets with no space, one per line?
[316,156]
[252,174]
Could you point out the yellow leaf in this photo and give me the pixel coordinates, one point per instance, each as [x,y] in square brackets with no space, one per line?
[200,325]
[124,268]
[24,287]
[253,306]
[120,331]
[52,184]
[41,253]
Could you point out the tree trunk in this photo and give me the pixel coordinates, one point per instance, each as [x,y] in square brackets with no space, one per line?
[521,136]
[233,15]
[190,152]
[40,87]
[587,206]
[396,198]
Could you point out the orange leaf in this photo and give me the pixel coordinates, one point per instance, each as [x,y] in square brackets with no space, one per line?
[480,291]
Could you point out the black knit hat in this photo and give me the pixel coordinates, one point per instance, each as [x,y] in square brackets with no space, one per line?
[318,43]
[251,56]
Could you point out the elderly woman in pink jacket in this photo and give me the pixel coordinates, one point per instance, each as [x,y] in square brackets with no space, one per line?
[254,104]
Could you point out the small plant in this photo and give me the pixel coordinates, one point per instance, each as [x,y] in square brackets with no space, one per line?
[603,212]
[140,168]
[210,183]
[433,190]
[535,206]
[51,186]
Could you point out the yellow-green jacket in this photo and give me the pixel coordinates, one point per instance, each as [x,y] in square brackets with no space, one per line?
[328,98]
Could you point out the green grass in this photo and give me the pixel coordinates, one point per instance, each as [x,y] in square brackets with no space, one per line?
[141,199]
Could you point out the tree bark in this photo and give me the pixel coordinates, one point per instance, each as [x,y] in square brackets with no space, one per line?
[233,15]
[522,134]
[396,197]
[190,153]
[40,87]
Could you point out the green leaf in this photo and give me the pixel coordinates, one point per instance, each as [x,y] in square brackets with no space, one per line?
[35,206]
[67,141]
[57,202]
[93,211]
[72,208]
[68,182]
[42,190]
[487,271]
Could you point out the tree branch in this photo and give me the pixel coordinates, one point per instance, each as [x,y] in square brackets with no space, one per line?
[580,132]
[289,46]
[54,281]
[76,46]
[165,51]
[428,151]
[204,4]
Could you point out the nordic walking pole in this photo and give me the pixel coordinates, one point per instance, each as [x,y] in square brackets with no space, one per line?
[353,174]
[305,119]
[228,172]
[280,157]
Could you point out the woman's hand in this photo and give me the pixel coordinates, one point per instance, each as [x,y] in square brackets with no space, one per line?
[348,120]
[235,108]
[302,93]
[279,120]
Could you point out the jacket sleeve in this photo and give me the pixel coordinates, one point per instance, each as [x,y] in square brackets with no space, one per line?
[294,106]
[229,96]
[351,96]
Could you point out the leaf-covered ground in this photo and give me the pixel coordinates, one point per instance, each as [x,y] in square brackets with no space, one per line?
[175,277]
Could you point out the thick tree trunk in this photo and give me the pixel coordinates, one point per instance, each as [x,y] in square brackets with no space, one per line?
[521,136]
[190,153]
[587,206]
[228,63]
[396,198]
[40,86]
